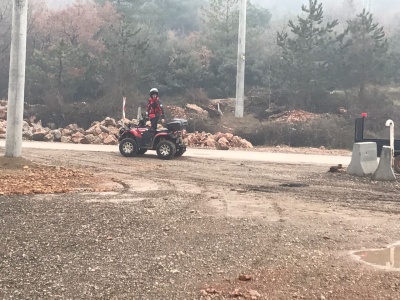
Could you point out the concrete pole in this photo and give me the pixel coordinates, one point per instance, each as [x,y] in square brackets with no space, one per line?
[16,85]
[241,58]
[367,5]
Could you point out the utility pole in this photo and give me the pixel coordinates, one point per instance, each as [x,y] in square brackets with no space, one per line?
[367,5]
[16,85]
[241,59]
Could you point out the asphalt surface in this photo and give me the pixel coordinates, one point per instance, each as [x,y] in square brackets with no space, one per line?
[208,153]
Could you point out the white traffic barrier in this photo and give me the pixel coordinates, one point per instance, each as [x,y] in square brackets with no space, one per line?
[364,159]
[385,170]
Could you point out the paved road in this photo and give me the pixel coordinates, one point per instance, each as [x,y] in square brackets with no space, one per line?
[206,153]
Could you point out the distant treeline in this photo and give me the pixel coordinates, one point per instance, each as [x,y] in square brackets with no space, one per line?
[98,52]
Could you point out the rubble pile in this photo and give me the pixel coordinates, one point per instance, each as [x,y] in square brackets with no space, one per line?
[293,116]
[106,131]
[3,110]
[176,111]
[193,108]
[220,141]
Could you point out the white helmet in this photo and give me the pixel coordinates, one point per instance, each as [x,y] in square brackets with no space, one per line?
[153,91]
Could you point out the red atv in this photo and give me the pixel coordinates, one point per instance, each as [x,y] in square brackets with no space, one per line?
[137,139]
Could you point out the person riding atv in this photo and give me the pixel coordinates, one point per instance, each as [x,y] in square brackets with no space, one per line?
[155,109]
[168,142]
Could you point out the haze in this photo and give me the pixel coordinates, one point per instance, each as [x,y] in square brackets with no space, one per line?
[384,10]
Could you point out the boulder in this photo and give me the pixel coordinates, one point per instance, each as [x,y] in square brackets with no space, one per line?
[103,136]
[57,135]
[39,134]
[66,132]
[3,125]
[72,127]
[111,140]
[197,109]
[246,144]
[77,137]
[65,139]
[109,121]
[95,123]
[27,134]
[49,137]
[95,130]
[210,142]
[104,129]
[113,130]
[25,126]
[3,113]
[90,139]
[222,144]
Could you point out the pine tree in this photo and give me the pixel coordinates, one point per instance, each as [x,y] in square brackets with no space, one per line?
[366,47]
[306,53]
[221,22]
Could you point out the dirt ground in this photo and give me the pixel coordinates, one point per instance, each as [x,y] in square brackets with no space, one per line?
[191,228]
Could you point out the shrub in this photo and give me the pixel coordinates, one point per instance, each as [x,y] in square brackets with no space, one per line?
[328,131]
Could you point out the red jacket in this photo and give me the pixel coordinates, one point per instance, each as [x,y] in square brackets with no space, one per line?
[154,108]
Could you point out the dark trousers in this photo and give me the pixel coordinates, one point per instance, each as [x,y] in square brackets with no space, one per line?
[154,122]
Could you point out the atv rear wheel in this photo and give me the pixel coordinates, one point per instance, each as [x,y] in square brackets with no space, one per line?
[179,152]
[166,149]
[397,163]
[128,147]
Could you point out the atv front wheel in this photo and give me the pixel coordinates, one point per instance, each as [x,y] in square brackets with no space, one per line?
[128,147]
[166,149]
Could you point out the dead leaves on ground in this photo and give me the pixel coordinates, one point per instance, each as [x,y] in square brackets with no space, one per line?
[44,180]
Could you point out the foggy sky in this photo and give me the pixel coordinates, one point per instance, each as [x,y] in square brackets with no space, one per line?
[380,8]
[384,10]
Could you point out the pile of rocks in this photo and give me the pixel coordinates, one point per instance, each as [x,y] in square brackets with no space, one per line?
[294,116]
[221,141]
[176,112]
[186,112]
[3,110]
[104,132]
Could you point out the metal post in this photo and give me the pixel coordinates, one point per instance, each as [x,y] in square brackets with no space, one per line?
[241,60]
[123,108]
[390,124]
[392,261]
[16,85]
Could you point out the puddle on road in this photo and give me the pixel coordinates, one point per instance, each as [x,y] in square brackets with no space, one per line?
[388,258]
